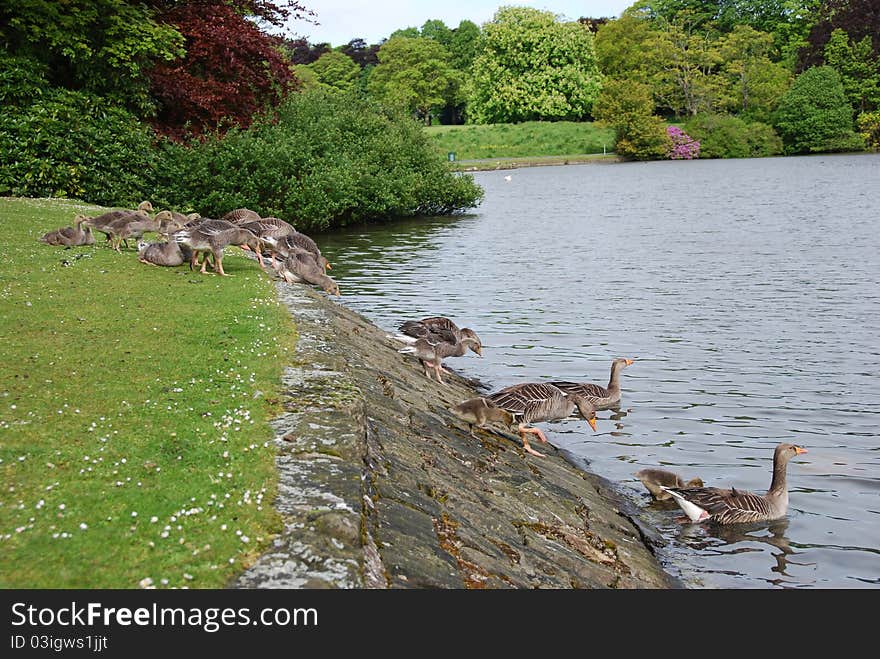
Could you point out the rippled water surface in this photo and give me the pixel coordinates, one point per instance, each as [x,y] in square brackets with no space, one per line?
[748,291]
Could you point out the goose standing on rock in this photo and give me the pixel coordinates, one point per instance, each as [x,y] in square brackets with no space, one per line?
[655,480]
[603,398]
[479,411]
[439,329]
[286,245]
[540,401]
[732,506]
[431,350]
[300,265]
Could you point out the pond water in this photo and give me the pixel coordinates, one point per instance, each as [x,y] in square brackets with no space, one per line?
[747,291]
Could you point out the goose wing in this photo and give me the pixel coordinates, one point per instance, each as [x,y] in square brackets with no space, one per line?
[587,390]
[530,400]
[728,506]
[419,330]
[441,323]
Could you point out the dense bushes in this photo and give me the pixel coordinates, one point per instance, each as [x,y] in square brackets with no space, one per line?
[726,136]
[55,142]
[627,106]
[322,159]
[815,116]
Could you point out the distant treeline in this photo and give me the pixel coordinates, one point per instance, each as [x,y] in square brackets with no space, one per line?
[106,97]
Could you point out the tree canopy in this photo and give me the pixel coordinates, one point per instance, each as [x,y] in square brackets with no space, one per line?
[415,74]
[533,66]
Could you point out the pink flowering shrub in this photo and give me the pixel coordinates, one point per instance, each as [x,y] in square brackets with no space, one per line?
[684,147]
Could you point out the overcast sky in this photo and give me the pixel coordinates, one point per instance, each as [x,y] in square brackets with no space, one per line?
[374,20]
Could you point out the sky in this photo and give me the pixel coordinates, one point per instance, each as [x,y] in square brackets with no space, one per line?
[374,20]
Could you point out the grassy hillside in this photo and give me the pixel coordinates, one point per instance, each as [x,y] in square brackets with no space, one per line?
[532,138]
[133,441]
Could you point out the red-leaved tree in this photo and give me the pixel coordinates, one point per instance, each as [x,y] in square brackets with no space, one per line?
[232,69]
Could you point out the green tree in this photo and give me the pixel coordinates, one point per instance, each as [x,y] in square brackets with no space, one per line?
[464,45]
[858,67]
[814,115]
[533,67]
[98,46]
[627,106]
[335,70]
[408,32]
[438,31]
[755,83]
[621,48]
[414,74]
[687,58]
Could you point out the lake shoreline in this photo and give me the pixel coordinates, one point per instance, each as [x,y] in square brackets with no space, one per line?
[382,487]
[491,164]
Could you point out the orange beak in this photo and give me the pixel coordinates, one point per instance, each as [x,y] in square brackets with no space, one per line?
[592,423]
[629,362]
[329,266]
[798,450]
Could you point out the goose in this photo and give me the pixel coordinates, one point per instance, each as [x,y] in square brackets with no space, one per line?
[734,506]
[70,236]
[300,265]
[298,240]
[431,351]
[602,398]
[438,328]
[479,411]
[99,222]
[540,401]
[167,254]
[272,231]
[134,226]
[435,325]
[655,479]
[213,236]
[240,216]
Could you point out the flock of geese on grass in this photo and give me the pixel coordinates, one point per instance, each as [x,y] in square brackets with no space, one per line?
[292,254]
[296,257]
[432,340]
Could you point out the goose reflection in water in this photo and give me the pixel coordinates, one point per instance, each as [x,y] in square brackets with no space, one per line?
[742,538]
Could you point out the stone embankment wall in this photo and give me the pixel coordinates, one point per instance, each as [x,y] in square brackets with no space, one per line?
[382,487]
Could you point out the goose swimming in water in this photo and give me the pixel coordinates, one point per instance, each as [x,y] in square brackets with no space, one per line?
[702,504]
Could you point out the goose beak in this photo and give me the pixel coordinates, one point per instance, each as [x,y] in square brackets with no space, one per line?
[592,423]
[629,362]
[329,266]
[798,450]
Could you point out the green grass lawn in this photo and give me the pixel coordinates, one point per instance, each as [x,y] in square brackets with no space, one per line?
[531,138]
[134,402]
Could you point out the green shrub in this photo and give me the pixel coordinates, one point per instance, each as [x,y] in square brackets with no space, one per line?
[814,115]
[869,126]
[627,106]
[70,144]
[726,136]
[319,160]
[22,80]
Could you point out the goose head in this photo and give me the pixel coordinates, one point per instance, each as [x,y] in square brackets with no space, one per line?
[469,337]
[587,410]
